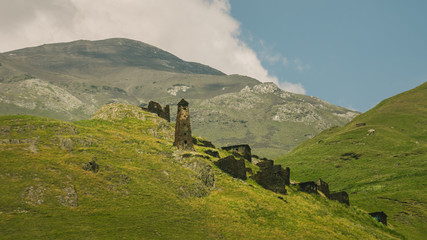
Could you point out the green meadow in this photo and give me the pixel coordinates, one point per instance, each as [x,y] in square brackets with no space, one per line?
[145,189]
[383,170]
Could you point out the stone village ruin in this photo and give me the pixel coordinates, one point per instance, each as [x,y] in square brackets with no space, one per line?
[271,177]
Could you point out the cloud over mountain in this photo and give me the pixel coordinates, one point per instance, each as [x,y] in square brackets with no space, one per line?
[195,30]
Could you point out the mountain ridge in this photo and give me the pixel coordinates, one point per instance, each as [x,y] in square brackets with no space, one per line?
[71,84]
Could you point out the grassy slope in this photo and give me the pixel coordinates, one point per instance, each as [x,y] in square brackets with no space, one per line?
[390,174]
[142,191]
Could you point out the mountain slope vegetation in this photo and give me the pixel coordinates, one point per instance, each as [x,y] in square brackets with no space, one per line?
[70,81]
[118,176]
[379,158]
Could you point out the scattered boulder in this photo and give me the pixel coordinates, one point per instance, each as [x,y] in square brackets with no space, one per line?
[232,166]
[380,217]
[91,166]
[272,177]
[323,187]
[360,124]
[371,132]
[341,197]
[308,187]
[212,153]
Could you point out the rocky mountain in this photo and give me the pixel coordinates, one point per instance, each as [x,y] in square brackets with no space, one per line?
[379,158]
[69,81]
[118,176]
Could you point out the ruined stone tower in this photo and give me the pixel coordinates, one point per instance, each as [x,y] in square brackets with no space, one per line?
[183,139]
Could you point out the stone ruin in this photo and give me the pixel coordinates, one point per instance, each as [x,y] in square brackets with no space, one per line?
[380,217]
[308,187]
[183,138]
[272,177]
[156,108]
[244,150]
[323,187]
[236,168]
[212,153]
[341,197]
[203,143]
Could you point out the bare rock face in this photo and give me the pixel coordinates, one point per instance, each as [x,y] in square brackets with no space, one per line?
[272,177]
[236,168]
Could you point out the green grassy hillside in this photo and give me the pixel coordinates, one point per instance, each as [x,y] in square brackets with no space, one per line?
[382,171]
[70,81]
[145,188]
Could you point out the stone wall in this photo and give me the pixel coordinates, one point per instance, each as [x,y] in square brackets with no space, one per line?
[156,108]
[242,149]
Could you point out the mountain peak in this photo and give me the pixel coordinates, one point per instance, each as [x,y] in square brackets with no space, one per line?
[114,52]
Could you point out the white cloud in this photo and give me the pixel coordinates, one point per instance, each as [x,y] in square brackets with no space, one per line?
[292,87]
[194,30]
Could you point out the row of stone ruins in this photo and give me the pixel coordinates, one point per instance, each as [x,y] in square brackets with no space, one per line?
[272,177]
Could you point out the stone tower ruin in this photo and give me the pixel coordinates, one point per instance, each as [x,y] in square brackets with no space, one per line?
[183,138]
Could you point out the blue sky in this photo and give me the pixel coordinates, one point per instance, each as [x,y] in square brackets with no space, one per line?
[350,53]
